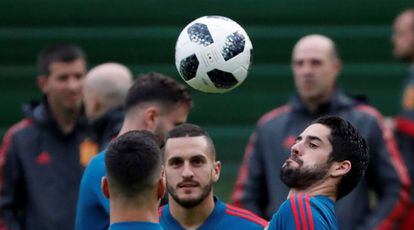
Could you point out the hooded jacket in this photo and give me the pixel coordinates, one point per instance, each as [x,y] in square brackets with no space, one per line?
[40,171]
[260,189]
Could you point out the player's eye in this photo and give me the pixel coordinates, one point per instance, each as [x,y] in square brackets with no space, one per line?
[312,145]
[197,161]
[175,162]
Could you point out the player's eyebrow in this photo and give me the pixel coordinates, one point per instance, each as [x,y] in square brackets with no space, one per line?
[310,137]
[313,138]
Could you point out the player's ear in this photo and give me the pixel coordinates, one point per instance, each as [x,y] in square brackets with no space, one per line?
[151,114]
[216,171]
[340,168]
[41,82]
[160,188]
[104,186]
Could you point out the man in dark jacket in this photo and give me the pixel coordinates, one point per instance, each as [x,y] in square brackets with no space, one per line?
[40,156]
[105,89]
[316,66]
[403,41]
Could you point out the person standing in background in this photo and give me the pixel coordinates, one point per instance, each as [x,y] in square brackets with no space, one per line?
[316,66]
[105,89]
[40,158]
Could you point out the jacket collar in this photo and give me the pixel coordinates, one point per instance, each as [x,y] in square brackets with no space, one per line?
[337,101]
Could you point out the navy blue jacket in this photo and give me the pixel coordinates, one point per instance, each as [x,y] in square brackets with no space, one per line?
[260,189]
[40,171]
[107,126]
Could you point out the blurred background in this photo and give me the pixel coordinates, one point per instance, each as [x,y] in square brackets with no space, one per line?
[142,35]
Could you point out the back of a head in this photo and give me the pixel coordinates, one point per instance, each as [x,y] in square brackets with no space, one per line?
[133,164]
[111,81]
[347,144]
[191,130]
[158,88]
[61,52]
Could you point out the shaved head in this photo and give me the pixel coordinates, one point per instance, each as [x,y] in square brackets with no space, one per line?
[105,88]
[316,43]
[403,36]
[315,65]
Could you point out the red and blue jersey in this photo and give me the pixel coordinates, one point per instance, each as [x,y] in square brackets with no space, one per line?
[304,212]
[135,225]
[224,216]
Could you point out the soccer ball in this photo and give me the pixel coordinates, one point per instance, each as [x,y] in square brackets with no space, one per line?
[213,54]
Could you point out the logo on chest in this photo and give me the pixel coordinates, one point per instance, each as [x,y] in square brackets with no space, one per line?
[88,149]
[44,158]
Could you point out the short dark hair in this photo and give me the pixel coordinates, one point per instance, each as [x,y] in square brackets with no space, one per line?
[156,87]
[133,163]
[191,130]
[347,144]
[60,52]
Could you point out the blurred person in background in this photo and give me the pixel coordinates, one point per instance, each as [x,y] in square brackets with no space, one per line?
[403,124]
[105,89]
[40,158]
[155,103]
[191,170]
[134,183]
[316,66]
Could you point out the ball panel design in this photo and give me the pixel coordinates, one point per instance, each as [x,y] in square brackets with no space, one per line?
[222,79]
[233,45]
[199,33]
[188,67]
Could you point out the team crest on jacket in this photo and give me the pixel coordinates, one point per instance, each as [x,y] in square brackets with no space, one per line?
[88,149]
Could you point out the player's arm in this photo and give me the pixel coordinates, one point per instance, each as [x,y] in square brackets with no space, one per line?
[12,188]
[250,189]
[388,175]
[91,200]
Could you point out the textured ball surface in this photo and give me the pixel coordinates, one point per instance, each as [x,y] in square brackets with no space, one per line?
[213,54]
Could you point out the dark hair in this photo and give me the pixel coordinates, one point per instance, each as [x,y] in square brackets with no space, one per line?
[133,163]
[191,130]
[347,144]
[61,52]
[156,87]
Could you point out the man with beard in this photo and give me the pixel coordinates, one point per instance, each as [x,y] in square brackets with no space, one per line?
[327,161]
[191,170]
[381,196]
[134,183]
[154,103]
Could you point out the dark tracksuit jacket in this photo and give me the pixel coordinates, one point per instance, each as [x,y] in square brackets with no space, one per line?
[40,172]
[260,189]
[107,127]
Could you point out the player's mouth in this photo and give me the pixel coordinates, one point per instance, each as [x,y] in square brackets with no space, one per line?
[188,184]
[296,160]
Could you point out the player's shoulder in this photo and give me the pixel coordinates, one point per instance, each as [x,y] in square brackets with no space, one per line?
[20,128]
[96,166]
[368,111]
[274,114]
[244,218]
[304,211]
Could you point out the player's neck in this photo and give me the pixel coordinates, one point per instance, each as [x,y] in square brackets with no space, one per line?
[325,188]
[313,103]
[130,124]
[66,120]
[192,218]
[128,212]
